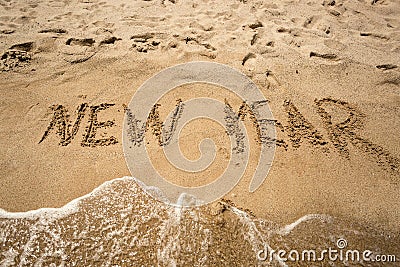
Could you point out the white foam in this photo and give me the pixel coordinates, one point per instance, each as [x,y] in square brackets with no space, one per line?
[65,210]
[288,228]
[171,230]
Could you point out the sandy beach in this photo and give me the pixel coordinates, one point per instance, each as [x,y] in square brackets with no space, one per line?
[329,71]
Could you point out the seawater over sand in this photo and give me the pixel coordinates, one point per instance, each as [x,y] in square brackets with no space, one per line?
[118,224]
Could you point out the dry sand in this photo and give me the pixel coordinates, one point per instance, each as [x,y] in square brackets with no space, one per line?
[317,62]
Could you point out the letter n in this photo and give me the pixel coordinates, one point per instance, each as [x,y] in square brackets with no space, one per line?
[62,124]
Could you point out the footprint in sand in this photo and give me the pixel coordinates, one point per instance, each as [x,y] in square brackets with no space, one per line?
[77,50]
[7,31]
[328,56]
[12,59]
[387,66]
[109,40]
[145,42]
[53,30]
[16,56]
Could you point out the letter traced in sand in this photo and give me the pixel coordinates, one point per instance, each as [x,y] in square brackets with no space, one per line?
[143,107]
[343,133]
